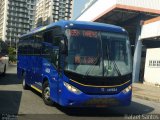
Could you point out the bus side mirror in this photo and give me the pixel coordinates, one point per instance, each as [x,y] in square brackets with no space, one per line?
[63,47]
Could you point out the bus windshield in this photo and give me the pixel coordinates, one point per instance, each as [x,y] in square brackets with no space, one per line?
[95,53]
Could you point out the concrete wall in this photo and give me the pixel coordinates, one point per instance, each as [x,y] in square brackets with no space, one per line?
[152,66]
[96,9]
[151,4]
[151,28]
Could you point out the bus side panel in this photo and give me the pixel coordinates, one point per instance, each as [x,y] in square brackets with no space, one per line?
[51,74]
[37,74]
[21,66]
[25,66]
[19,69]
[30,70]
[54,84]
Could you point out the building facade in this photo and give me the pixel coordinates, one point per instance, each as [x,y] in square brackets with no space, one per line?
[16,18]
[87,4]
[150,36]
[48,11]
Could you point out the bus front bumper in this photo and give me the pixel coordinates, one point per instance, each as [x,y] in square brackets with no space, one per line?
[70,99]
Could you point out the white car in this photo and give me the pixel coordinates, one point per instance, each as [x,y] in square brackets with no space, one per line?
[3,64]
[3,58]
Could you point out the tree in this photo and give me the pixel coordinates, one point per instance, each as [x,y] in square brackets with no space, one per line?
[12,54]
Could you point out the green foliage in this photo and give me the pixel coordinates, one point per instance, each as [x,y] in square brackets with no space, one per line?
[12,54]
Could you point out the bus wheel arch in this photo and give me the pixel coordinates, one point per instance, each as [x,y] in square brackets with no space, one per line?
[46,92]
[24,84]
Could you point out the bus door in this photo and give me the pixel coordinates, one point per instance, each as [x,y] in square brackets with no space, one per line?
[50,67]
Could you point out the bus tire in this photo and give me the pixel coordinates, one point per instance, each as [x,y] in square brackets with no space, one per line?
[4,72]
[24,85]
[46,94]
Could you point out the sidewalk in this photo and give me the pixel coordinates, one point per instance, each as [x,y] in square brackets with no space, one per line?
[13,64]
[147,92]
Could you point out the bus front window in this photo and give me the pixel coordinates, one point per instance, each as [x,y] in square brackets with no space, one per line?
[83,52]
[95,53]
[116,54]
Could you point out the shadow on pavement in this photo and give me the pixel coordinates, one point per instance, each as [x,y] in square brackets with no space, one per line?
[10,102]
[9,79]
[134,109]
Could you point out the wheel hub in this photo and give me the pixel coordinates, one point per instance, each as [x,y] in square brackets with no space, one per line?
[47,93]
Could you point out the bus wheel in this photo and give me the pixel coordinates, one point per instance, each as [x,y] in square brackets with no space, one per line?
[46,94]
[4,72]
[24,85]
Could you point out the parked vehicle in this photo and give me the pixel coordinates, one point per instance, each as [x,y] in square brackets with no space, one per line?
[3,58]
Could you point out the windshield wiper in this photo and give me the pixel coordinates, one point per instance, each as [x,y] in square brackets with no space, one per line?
[91,68]
[116,67]
[109,63]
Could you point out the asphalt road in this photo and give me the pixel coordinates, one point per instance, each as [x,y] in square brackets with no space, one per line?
[29,105]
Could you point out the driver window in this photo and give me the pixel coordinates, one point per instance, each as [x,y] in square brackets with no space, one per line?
[120,51]
[51,46]
[51,54]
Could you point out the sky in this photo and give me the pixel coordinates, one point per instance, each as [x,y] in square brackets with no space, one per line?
[78,6]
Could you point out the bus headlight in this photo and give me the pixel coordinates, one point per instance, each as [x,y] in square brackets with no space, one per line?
[127,89]
[71,88]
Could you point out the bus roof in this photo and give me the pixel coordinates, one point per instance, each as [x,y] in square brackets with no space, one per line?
[80,25]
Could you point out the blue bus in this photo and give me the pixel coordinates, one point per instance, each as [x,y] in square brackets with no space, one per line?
[77,64]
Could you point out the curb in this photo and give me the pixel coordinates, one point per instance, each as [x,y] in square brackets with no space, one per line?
[146,97]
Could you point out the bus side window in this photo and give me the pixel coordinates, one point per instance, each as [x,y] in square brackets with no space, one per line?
[19,47]
[22,47]
[38,44]
[56,40]
[30,42]
[56,48]
[50,54]
[48,36]
[46,52]
[52,36]
[55,57]
[25,46]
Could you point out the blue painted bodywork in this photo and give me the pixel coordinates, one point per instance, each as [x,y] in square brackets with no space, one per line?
[38,69]
[81,25]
